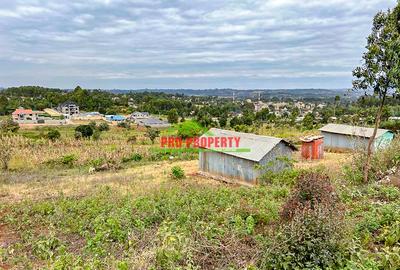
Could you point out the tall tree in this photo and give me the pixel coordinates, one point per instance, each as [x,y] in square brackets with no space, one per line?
[173,116]
[380,69]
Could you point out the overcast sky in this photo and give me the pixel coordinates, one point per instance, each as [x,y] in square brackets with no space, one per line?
[130,44]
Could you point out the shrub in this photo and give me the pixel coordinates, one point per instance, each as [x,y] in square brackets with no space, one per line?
[382,162]
[189,129]
[53,135]
[85,130]
[134,157]
[177,172]
[92,124]
[77,135]
[68,160]
[311,189]
[103,127]
[124,125]
[6,151]
[9,125]
[152,134]
[312,233]
[96,135]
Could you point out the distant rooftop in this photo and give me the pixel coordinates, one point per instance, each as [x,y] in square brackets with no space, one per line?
[365,132]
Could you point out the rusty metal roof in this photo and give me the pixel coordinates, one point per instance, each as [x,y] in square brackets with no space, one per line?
[364,132]
[256,146]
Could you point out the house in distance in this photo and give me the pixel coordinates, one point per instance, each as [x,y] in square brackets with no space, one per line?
[255,155]
[345,137]
[68,108]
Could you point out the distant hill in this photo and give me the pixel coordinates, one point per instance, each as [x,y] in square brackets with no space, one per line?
[264,93]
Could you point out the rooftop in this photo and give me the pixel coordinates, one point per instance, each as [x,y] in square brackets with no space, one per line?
[365,132]
[257,145]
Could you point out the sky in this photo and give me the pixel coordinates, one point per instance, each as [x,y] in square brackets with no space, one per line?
[197,44]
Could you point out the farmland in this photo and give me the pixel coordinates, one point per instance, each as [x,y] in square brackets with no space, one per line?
[55,213]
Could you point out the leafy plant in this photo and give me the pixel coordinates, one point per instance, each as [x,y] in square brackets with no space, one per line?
[85,130]
[53,135]
[177,172]
[103,127]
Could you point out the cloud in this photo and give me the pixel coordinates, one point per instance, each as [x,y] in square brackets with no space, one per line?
[227,43]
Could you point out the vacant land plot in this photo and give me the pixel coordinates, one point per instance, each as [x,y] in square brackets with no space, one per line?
[58,213]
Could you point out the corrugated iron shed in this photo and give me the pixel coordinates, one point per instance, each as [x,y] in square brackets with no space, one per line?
[364,132]
[258,146]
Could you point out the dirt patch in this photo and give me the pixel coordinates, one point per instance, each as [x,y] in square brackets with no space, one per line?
[331,161]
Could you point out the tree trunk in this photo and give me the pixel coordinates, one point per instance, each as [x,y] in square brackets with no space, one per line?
[372,139]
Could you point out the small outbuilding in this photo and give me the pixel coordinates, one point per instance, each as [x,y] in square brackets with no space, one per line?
[346,137]
[312,147]
[245,161]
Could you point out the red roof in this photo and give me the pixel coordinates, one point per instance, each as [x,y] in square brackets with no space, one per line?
[23,111]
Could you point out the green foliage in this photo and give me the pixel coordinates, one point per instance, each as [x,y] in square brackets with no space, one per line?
[189,129]
[47,247]
[308,121]
[93,125]
[124,124]
[152,134]
[173,116]
[177,172]
[9,125]
[313,233]
[85,130]
[53,135]
[178,224]
[382,161]
[135,157]
[68,160]
[103,127]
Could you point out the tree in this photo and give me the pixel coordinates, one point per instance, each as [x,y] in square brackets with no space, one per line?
[380,69]
[173,116]
[189,129]
[223,120]
[337,101]
[308,121]
[3,105]
[85,130]
[152,134]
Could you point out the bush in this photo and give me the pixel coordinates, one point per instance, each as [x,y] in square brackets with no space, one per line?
[68,160]
[85,130]
[103,127]
[124,125]
[189,129]
[53,135]
[312,233]
[96,135]
[311,189]
[9,125]
[152,134]
[6,151]
[135,157]
[382,162]
[177,172]
[77,135]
